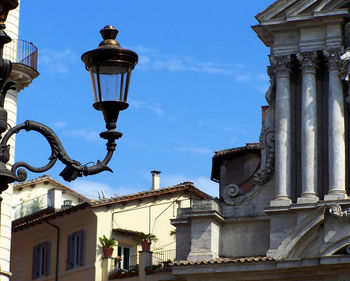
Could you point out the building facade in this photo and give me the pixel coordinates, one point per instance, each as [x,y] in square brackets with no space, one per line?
[23,73]
[283,211]
[65,242]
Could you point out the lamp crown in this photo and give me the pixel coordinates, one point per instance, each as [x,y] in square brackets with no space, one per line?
[109,33]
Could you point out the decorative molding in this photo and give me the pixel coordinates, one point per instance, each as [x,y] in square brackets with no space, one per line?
[333,58]
[231,192]
[267,168]
[291,242]
[280,65]
[308,61]
[337,211]
[267,138]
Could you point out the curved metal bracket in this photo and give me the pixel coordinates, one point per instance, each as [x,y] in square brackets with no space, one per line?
[73,168]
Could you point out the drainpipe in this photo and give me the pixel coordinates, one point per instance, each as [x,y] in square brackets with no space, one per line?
[57,247]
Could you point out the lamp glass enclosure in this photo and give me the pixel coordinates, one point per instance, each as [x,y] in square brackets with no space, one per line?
[110,82]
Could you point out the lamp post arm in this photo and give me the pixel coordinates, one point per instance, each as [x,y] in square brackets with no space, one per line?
[73,168]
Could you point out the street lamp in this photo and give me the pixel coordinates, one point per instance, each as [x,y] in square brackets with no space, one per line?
[110,68]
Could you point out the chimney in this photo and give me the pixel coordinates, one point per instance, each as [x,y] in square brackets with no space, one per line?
[155,179]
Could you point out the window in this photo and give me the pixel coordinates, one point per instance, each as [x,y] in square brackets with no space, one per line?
[126,258]
[41,260]
[76,249]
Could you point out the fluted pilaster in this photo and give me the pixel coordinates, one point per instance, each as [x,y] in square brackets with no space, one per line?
[280,65]
[336,129]
[308,62]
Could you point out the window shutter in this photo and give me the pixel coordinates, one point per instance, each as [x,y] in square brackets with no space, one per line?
[34,276]
[47,258]
[69,252]
[82,234]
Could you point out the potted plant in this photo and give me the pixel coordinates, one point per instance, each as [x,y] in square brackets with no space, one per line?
[120,273]
[107,245]
[129,273]
[136,270]
[148,269]
[145,240]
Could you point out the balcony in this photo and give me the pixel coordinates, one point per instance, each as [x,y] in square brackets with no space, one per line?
[31,206]
[22,52]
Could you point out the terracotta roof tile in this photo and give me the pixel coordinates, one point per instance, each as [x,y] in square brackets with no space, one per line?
[226,152]
[182,187]
[223,260]
[126,231]
[229,153]
[41,216]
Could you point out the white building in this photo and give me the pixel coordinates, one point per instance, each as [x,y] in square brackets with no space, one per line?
[23,72]
[41,193]
[284,207]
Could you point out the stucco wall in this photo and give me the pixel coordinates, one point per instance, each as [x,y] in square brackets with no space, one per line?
[148,215]
[25,240]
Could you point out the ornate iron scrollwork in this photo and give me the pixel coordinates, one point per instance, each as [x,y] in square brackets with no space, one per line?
[73,168]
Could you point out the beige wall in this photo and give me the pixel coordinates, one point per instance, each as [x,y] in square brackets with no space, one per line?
[23,198]
[25,240]
[147,215]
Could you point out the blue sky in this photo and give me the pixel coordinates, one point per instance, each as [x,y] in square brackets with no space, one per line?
[198,88]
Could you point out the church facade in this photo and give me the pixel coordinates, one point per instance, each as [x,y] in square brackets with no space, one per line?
[284,206]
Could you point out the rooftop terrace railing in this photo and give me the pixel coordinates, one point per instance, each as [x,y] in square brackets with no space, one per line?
[23,52]
[29,207]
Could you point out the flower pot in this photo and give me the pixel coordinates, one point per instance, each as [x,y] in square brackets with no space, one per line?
[146,246]
[108,251]
[149,271]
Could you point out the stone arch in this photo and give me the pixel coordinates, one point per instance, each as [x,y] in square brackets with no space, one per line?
[331,249]
[304,232]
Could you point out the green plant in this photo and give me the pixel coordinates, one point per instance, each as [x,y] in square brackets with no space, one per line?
[167,262]
[145,237]
[148,268]
[121,271]
[173,233]
[106,242]
[156,266]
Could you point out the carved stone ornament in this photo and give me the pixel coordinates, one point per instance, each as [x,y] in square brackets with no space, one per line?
[336,210]
[267,140]
[344,71]
[280,65]
[333,58]
[308,61]
[231,192]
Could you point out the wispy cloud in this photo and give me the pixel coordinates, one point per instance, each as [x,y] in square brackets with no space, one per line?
[92,189]
[59,124]
[198,150]
[152,59]
[56,61]
[85,134]
[151,107]
[203,183]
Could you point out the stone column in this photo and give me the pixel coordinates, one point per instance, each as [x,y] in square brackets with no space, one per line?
[281,67]
[308,61]
[336,129]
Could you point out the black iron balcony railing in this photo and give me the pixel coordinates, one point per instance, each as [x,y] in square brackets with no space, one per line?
[21,51]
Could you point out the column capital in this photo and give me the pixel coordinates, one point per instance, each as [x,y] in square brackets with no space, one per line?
[333,57]
[280,65]
[308,61]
